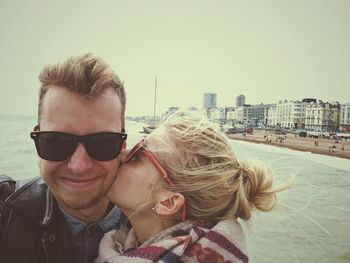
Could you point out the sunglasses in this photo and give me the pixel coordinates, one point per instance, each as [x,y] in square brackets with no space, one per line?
[59,146]
[141,146]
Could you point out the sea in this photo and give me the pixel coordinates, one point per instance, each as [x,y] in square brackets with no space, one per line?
[310,224]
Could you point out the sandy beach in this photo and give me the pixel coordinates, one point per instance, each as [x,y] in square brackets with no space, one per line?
[318,146]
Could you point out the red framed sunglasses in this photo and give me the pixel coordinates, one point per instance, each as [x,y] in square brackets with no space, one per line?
[141,146]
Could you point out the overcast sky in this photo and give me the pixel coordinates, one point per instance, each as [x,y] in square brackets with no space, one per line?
[266,50]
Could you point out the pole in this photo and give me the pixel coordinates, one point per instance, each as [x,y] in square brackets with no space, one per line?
[155,100]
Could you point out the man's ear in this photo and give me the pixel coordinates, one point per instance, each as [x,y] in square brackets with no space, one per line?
[170,205]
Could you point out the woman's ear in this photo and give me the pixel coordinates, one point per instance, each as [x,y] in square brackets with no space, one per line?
[170,205]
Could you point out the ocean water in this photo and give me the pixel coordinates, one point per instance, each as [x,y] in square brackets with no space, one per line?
[310,224]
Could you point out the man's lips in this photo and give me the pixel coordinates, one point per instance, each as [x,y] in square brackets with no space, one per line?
[79,183]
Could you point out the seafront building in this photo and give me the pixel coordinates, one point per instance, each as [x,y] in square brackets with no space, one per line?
[209,100]
[242,114]
[271,116]
[306,102]
[216,114]
[286,114]
[221,115]
[240,100]
[257,114]
[308,114]
[230,115]
[344,122]
[322,116]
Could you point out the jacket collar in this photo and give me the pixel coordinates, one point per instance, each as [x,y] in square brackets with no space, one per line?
[34,201]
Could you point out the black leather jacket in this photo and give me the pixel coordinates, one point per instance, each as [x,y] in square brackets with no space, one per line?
[32,228]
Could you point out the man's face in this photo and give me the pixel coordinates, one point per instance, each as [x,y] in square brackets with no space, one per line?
[79,182]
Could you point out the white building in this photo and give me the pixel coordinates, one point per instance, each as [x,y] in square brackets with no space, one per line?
[322,116]
[230,115]
[288,114]
[216,115]
[344,123]
[242,114]
[271,116]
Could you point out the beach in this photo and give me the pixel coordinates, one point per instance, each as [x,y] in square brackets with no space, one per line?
[330,147]
[311,224]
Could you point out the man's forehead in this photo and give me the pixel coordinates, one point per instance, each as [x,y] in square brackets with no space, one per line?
[68,109]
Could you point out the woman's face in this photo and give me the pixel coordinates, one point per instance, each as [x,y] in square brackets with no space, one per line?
[136,180]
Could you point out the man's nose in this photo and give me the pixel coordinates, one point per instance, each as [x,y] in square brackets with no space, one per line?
[80,161]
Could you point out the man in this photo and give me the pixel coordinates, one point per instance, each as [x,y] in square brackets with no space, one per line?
[62,216]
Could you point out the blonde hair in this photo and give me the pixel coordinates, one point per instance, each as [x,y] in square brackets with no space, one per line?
[86,75]
[203,167]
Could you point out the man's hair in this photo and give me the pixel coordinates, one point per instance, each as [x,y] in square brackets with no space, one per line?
[200,161]
[87,75]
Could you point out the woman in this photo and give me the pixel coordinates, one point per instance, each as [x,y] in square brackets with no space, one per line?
[183,190]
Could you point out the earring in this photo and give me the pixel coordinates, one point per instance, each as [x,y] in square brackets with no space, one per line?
[154,210]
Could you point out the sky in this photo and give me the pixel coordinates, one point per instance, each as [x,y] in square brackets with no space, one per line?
[268,50]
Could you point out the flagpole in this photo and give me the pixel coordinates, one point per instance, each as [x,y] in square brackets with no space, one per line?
[155,100]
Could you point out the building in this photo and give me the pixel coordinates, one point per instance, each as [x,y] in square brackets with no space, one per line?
[322,116]
[287,114]
[216,115]
[230,115]
[209,100]
[271,116]
[344,122]
[240,101]
[309,100]
[254,115]
[257,114]
[242,114]
[221,115]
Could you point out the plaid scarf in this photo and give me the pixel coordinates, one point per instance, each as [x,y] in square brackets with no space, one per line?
[191,241]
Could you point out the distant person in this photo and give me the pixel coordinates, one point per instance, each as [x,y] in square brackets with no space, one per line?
[62,216]
[183,190]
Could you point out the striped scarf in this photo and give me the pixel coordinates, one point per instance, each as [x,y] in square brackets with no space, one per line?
[191,241]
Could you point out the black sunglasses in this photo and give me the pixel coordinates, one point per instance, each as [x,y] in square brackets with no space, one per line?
[59,146]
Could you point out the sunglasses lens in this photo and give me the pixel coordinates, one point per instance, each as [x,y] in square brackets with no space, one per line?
[104,146]
[58,146]
[53,146]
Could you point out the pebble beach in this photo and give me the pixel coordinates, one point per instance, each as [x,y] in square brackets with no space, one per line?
[330,147]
